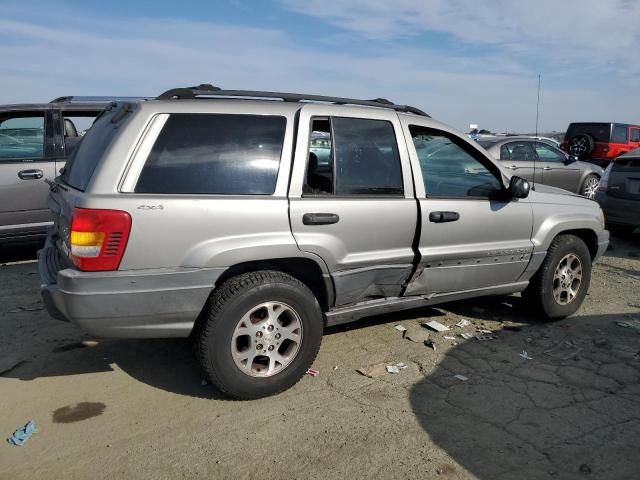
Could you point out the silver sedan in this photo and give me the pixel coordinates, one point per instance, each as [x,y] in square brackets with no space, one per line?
[539,161]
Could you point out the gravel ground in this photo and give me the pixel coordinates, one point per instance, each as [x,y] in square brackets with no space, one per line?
[118,409]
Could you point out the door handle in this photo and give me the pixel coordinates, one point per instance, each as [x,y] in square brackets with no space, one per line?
[30,174]
[547,168]
[442,217]
[320,218]
[513,167]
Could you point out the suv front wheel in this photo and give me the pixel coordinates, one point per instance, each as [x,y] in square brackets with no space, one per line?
[260,333]
[560,285]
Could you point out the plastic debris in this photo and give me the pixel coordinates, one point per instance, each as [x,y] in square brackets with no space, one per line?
[21,435]
[400,328]
[429,343]
[463,323]
[635,324]
[373,371]
[402,365]
[484,330]
[484,338]
[525,355]
[392,369]
[312,372]
[437,326]
[466,336]
[449,337]
[461,377]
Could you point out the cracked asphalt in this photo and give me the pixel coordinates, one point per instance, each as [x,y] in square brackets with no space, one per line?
[118,409]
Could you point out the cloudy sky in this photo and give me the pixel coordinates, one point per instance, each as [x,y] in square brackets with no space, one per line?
[463,61]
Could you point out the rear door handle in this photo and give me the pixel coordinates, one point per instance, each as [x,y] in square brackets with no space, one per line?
[442,217]
[30,174]
[513,167]
[547,168]
[320,218]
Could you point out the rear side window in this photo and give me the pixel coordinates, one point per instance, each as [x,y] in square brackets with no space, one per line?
[215,154]
[90,149]
[619,134]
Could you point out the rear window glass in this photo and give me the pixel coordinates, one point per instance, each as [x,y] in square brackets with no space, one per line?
[626,165]
[85,157]
[601,132]
[215,154]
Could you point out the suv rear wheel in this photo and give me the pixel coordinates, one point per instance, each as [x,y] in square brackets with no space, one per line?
[260,333]
[582,145]
[559,287]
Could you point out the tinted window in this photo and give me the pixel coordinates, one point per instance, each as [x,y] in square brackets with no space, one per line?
[215,154]
[517,151]
[449,169]
[548,153]
[600,132]
[619,134]
[366,156]
[635,135]
[626,165]
[88,152]
[22,137]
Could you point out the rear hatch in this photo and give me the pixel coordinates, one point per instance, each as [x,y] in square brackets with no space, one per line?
[624,179]
[70,188]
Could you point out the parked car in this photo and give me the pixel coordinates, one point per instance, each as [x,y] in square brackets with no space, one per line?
[619,193]
[540,161]
[35,142]
[201,215]
[600,142]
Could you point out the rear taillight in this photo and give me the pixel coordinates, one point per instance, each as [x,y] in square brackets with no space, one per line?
[98,238]
[603,186]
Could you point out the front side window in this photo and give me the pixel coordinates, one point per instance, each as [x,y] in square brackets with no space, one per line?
[353,156]
[518,152]
[450,168]
[619,134]
[22,137]
[215,154]
[547,153]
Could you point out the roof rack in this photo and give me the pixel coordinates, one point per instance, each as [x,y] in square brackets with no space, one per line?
[207,90]
[84,99]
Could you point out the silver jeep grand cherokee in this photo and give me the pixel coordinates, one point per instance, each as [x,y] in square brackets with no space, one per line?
[250,220]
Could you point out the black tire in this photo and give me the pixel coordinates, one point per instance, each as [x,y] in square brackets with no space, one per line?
[539,293]
[585,189]
[581,145]
[233,299]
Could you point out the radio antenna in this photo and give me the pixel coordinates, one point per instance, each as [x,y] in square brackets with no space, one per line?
[535,141]
[538,104]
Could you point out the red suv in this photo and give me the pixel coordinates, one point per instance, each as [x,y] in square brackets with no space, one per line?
[600,142]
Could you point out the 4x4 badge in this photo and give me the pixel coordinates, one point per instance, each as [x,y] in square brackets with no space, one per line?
[150,207]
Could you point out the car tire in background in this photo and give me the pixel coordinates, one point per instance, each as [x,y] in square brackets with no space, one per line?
[259,334]
[560,285]
[581,145]
[590,186]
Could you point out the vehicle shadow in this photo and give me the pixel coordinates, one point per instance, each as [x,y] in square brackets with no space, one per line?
[20,252]
[570,410]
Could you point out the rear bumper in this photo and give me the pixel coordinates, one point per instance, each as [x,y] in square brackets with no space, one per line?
[129,304]
[619,211]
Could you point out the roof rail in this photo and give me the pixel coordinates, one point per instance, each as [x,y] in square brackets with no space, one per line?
[207,90]
[90,99]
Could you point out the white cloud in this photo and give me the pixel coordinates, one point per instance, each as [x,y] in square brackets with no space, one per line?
[136,56]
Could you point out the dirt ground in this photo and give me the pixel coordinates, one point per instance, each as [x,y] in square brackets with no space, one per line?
[138,409]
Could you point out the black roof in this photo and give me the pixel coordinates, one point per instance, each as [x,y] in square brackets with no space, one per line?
[210,91]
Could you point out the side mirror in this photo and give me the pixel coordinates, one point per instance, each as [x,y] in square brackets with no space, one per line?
[519,187]
[571,159]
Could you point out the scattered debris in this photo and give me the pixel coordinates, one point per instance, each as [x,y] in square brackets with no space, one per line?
[22,434]
[373,371]
[466,336]
[484,338]
[635,324]
[478,310]
[484,330]
[89,343]
[392,369]
[401,365]
[461,377]
[463,323]
[437,326]
[429,343]
[525,355]
[416,334]
[312,372]
[400,328]
[335,367]
[449,337]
